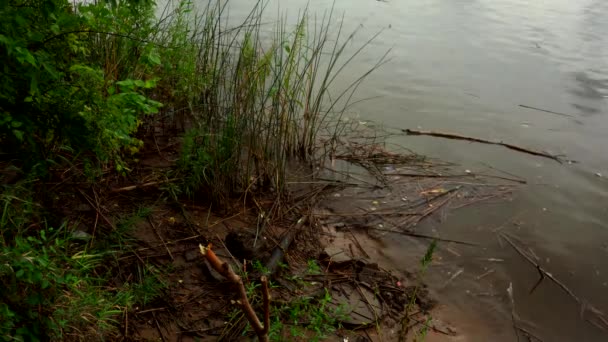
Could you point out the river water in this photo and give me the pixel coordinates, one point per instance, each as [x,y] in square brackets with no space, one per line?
[466,66]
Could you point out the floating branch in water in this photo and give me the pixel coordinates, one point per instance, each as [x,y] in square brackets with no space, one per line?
[483,141]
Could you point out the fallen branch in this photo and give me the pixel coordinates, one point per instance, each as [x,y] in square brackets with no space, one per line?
[225,270]
[483,141]
[601,317]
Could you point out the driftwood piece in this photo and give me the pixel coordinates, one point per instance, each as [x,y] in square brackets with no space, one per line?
[243,302]
[484,141]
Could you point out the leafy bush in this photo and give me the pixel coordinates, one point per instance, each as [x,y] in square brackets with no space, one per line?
[52,95]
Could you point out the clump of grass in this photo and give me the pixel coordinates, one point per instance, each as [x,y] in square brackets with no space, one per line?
[252,104]
[425,262]
[53,285]
[313,318]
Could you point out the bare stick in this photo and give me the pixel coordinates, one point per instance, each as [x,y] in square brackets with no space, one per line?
[225,270]
[483,141]
[266,299]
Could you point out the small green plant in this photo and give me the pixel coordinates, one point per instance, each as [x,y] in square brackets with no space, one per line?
[314,318]
[425,262]
[149,285]
[313,267]
[258,266]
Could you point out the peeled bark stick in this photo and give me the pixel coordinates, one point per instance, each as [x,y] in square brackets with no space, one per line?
[266,299]
[483,141]
[225,270]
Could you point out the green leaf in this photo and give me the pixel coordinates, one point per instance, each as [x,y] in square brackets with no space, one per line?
[154,58]
[34,85]
[428,256]
[25,55]
[16,124]
[19,274]
[5,40]
[18,134]
[150,84]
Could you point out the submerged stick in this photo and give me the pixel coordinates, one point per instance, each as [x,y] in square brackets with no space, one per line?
[422,236]
[483,141]
[545,274]
[547,111]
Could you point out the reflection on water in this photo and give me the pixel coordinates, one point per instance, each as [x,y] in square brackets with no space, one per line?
[593,91]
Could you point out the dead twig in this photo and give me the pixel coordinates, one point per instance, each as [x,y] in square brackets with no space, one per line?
[479,277]
[243,302]
[513,314]
[160,330]
[97,209]
[484,141]
[139,186]
[361,249]
[454,276]
[155,229]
